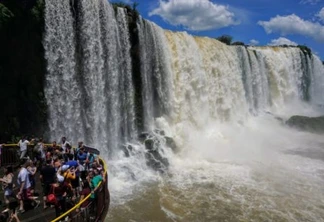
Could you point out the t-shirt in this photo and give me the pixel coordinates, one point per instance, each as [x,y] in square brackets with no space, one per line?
[48,173]
[95,182]
[23,176]
[85,192]
[91,157]
[23,144]
[82,157]
[64,146]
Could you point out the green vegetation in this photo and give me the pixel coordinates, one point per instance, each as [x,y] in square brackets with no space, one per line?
[131,10]
[227,39]
[22,68]
[238,43]
[305,50]
[5,15]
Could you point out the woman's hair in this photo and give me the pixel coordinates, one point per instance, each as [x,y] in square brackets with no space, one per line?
[4,216]
[86,184]
[9,170]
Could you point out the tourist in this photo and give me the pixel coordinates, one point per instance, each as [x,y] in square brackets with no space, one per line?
[7,184]
[47,177]
[60,190]
[25,188]
[23,143]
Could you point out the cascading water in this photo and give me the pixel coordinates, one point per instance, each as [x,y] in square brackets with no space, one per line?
[62,93]
[221,104]
[93,101]
[156,72]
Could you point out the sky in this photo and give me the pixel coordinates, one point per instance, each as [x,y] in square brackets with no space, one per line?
[254,22]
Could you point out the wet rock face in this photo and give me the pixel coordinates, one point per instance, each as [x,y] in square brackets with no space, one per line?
[311,124]
[154,155]
[155,145]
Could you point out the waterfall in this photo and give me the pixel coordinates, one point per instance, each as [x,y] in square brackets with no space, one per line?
[62,87]
[186,80]
[112,75]
[90,91]
[316,82]
[156,72]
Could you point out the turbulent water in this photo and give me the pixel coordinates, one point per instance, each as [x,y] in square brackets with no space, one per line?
[223,105]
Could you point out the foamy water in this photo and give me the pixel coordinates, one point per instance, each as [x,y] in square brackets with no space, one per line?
[257,171]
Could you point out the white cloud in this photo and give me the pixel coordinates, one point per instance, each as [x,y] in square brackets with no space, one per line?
[320,15]
[292,24]
[254,42]
[195,15]
[282,41]
[312,2]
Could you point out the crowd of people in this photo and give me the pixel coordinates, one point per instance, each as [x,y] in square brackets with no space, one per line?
[67,175]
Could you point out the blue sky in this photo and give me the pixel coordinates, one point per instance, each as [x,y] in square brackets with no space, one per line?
[254,22]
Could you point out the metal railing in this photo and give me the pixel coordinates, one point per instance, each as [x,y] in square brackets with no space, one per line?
[10,154]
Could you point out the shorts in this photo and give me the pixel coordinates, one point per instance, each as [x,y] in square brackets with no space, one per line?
[26,195]
[46,188]
[75,183]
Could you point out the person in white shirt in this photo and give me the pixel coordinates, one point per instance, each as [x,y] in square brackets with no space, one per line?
[23,143]
[66,149]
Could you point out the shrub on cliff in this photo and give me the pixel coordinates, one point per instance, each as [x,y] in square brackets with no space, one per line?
[227,39]
[305,50]
[238,43]
[5,15]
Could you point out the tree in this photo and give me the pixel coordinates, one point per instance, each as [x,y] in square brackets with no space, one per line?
[5,15]
[305,50]
[135,4]
[227,39]
[238,43]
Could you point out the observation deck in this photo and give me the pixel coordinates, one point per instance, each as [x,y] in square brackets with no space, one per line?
[95,211]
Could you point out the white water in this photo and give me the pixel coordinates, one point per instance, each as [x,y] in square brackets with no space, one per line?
[236,161]
[94,100]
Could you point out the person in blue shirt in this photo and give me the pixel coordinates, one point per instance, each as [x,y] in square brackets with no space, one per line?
[81,156]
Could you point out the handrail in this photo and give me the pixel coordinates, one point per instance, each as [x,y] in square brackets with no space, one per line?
[83,200]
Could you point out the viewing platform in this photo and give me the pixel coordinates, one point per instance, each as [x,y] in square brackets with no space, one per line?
[96,210]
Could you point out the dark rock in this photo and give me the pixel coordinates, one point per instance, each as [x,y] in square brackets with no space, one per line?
[154,158]
[127,149]
[170,143]
[143,136]
[311,124]
[161,132]
[149,144]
